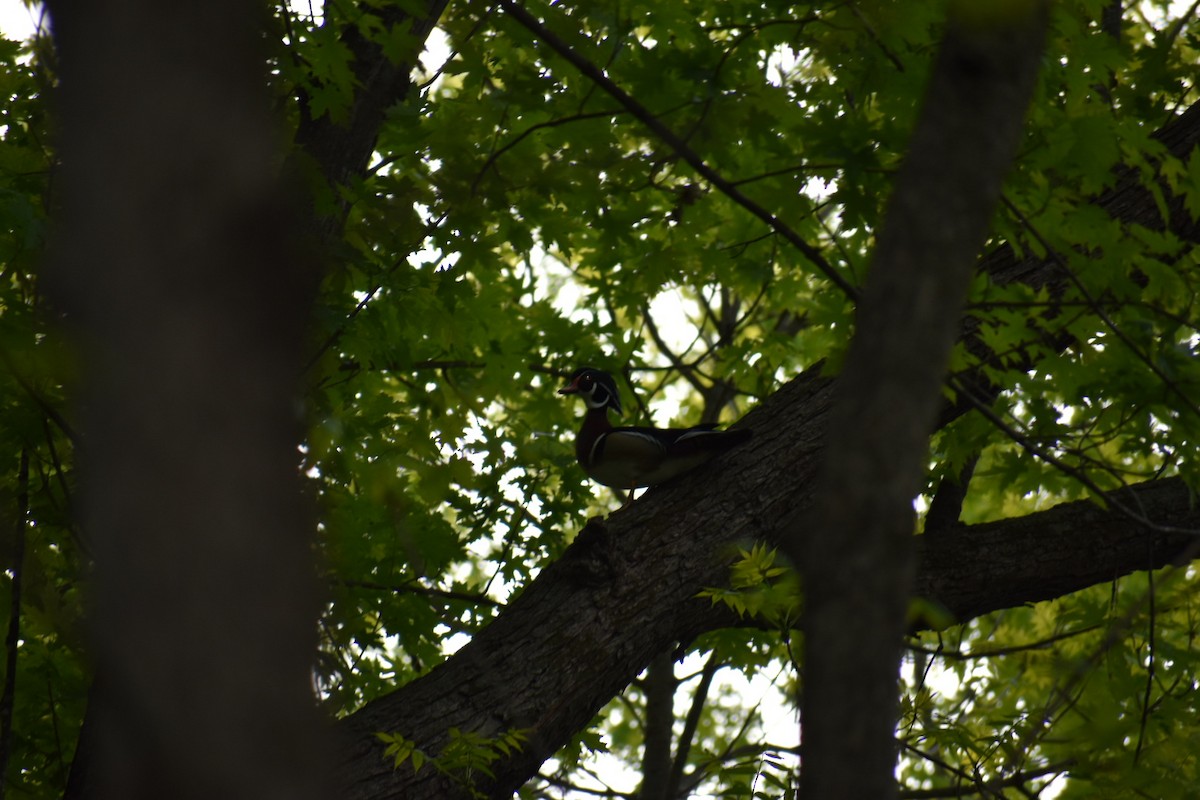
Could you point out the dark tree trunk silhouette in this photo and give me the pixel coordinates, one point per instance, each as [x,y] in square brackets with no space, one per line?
[183,272]
[854,551]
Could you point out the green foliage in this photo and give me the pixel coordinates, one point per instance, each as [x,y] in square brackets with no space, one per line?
[465,757]
[516,222]
[763,777]
[1109,668]
[758,588]
[41,548]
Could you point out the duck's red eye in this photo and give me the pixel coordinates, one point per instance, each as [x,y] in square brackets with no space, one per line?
[585,382]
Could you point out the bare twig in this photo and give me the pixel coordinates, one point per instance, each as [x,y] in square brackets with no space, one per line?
[410,587]
[691,723]
[990,788]
[1040,644]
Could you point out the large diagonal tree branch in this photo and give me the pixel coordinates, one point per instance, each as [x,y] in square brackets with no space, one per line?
[626,590]
[977,569]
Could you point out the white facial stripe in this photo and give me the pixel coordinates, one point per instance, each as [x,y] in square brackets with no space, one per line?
[599,396]
[591,399]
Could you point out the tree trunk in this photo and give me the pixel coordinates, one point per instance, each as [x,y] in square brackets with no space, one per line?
[180,266]
[855,550]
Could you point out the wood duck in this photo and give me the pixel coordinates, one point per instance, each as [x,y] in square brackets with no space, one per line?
[633,457]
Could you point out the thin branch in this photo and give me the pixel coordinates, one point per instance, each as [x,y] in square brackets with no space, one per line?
[42,403]
[691,723]
[478,26]
[634,711]
[554,123]
[680,148]
[1108,321]
[338,332]
[733,752]
[734,44]
[1061,700]
[1025,444]
[1150,667]
[1041,644]
[988,305]
[875,37]
[561,783]
[68,502]
[806,167]
[416,588]
[1177,26]
[990,787]
[665,349]
[973,780]
[52,711]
